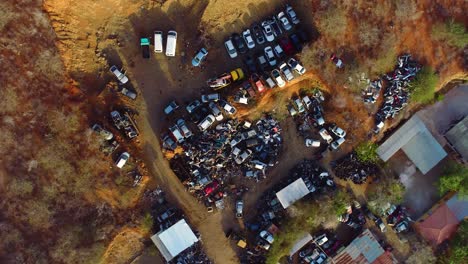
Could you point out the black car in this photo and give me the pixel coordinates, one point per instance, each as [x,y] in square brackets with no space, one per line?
[258,34]
[262,62]
[250,63]
[296,42]
[239,43]
[276,27]
[303,36]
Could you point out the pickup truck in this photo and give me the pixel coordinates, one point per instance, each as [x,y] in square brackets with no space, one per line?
[145,47]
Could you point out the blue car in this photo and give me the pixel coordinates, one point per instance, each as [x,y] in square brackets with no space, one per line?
[201,55]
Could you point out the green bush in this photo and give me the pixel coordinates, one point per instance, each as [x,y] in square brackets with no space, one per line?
[423,86]
[457,252]
[455,178]
[367,152]
[451,32]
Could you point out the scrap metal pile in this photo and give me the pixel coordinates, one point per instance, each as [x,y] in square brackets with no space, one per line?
[315,178]
[396,91]
[350,168]
[233,149]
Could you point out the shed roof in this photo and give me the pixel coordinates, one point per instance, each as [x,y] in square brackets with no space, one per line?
[458,137]
[459,206]
[364,249]
[172,241]
[439,226]
[417,142]
[300,243]
[293,192]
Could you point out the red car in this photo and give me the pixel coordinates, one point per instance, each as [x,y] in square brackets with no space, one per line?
[210,188]
[258,83]
[287,46]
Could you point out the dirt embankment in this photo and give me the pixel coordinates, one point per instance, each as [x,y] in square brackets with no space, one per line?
[367,35]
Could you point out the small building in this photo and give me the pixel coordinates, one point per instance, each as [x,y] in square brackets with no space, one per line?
[441,221]
[457,138]
[300,243]
[292,193]
[172,241]
[365,249]
[417,143]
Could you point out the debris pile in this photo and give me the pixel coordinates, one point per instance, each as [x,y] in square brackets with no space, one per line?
[315,178]
[232,149]
[125,123]
[396,91]
[350,168]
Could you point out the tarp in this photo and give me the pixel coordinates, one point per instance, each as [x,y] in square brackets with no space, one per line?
[293,192]
[172,241]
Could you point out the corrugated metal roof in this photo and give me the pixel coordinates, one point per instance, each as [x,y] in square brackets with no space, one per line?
[458,137]
[365,249]
[424,151]
[300,243]
[172,241]
[293,192]
[417,142]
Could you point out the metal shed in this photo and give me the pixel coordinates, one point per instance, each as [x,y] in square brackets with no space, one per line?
[293,192]
[416,142]
[172,241]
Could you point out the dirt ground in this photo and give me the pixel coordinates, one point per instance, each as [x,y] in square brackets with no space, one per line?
[94,35]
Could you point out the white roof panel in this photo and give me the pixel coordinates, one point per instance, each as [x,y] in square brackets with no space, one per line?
[174,240]
[291,193]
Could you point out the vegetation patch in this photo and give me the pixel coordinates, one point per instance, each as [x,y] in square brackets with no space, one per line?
[423,86]
[455,178]
[367,152]
[451,32]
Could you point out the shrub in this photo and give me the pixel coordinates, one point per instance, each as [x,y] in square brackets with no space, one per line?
[423,86]
[457,252]
[388,190]
[367,152]
[451,32]
[455,178]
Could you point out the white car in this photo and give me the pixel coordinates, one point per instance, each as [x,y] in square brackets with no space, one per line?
[284,21]
[267,236]
[270,56]
[206,123]
[177,134]
[296,66]
[230,48]
[278,78]
[325,135]
[338,131]
[120,76]
[312,143]
[337,143]
[287,73]
[183,127]
[292,15]
[307,102]
[123,158]
[299,105]
[248,39]
[243,156]
[228,107]
[268,31]
[216,111]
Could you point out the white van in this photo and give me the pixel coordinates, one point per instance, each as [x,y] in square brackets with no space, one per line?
[171,43]
[158,41]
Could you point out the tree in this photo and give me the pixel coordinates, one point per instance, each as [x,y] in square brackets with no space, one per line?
[367,152]
[458,249]
[451,32]
[455,178]
[388,190]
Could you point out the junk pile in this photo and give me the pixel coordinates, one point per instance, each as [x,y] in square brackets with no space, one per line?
[396,91]
[350,168]
[125,123]
[194,254]
[315,178]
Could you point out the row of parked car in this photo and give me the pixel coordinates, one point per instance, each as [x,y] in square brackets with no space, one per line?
[267,32]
